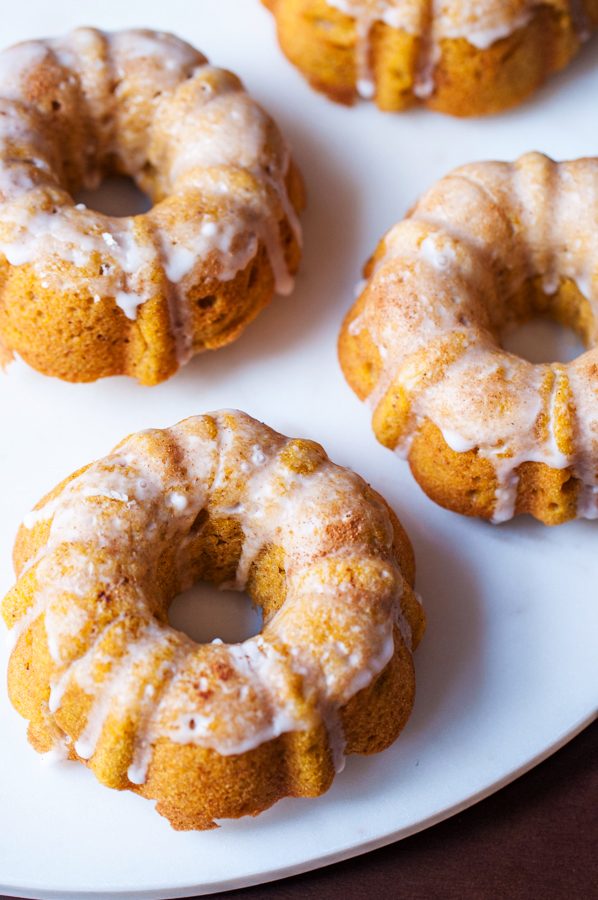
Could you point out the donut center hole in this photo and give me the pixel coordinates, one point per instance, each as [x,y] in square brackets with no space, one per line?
[205,613]
[548,320]
[544,340]
[117,196]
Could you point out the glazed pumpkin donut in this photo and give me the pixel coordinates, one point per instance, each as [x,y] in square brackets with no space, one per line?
[215,730]
[489,247]
[459,57]
[85,295]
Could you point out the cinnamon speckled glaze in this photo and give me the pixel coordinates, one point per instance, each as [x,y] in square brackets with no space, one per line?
[218,730]
[462,57]
[487,248]
[85,295]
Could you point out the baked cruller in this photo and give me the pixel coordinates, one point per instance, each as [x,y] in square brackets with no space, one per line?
[85,295]
[486,433]
[213,731]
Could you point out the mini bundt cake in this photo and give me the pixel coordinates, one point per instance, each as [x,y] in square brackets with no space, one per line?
[213,731]
[460,57]
[487,248]
[85,295]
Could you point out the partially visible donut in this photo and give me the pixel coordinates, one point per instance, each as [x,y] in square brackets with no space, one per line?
[459,57]
[84,295]
[489,247]
[213,731]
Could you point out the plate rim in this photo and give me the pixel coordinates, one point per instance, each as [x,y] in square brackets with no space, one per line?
[288,871]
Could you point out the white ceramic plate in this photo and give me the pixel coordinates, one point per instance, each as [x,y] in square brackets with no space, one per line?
[508,669]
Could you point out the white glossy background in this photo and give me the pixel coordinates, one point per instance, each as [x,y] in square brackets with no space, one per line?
[508,669]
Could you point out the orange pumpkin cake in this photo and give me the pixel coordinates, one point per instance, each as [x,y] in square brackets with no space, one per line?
[217,730]
[486,432]
[85,295]
[462,57]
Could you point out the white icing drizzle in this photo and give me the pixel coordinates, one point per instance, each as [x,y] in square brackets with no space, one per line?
[481,22]
[439,297]
[205,143]
[57,754]
[41,515]
[96,579]
[456,441]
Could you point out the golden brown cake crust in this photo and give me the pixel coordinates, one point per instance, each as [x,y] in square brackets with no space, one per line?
[213,731]
[408,53]
[84,295]
[487,248]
